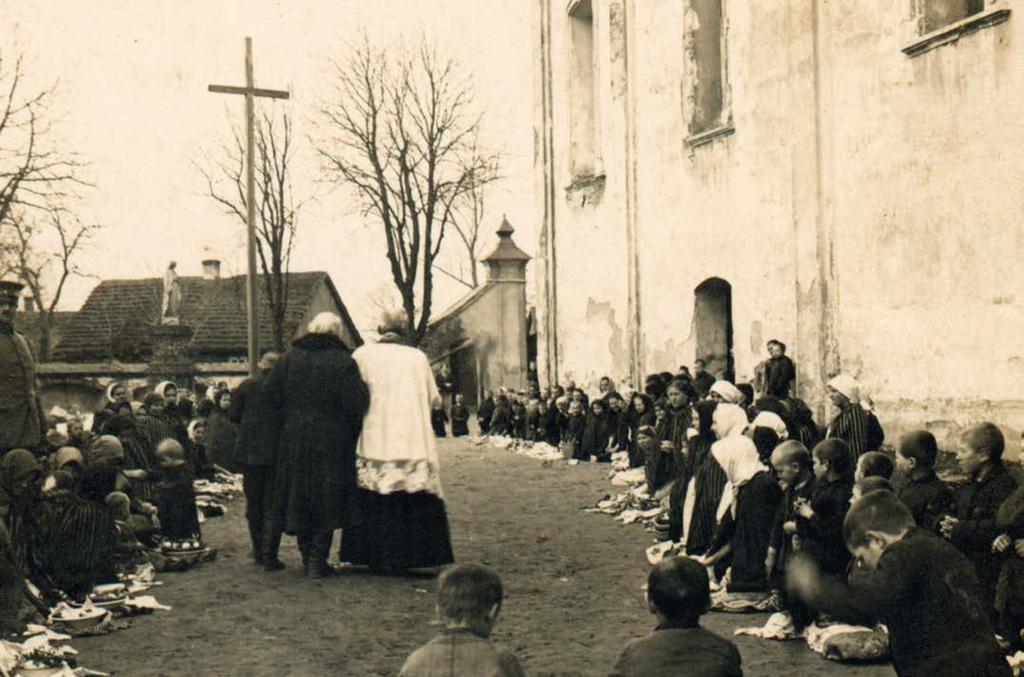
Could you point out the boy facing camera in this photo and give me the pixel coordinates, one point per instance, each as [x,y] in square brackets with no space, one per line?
[678,595]
[915,583]
[468,602]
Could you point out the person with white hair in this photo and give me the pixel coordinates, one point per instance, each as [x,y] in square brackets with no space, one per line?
[851,421]
[403,523]
[318,398]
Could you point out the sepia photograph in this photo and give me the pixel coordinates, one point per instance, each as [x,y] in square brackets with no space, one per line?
[444,338]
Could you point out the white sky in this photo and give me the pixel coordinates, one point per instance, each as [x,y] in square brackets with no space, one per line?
[132,100]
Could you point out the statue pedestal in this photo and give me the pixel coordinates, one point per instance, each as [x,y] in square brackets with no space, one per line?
[171,359]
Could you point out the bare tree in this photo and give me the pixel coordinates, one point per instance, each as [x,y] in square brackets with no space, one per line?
[397,131]
[276,209]
[469,216]
[33,175]
[42,254]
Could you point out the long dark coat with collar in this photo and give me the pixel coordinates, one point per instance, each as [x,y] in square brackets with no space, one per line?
[320,398]
[258,424]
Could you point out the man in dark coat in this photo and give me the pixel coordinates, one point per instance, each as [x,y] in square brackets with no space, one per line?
[317,392]
[256,451]
[779,371]
[22,423]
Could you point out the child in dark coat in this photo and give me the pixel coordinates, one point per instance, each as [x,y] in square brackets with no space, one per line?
[792,463]
[572,431]
[973,527]
[678,595]
[819,522]
[484,413]
[597,434]
[926,496]
[438,419]
[501,420]
[460,417]
[920,587]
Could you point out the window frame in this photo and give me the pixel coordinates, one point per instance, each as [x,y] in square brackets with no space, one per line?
[994,13]
[724,126]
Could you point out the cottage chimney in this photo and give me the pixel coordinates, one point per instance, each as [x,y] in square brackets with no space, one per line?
[211,269]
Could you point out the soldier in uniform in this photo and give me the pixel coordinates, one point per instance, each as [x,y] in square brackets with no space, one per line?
[22,423]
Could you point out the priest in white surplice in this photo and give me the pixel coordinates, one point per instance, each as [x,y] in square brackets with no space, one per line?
[402,522]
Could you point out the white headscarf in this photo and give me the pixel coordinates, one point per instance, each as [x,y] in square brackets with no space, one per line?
[848,386]
[734,451]
[769,419]
[163,386]
[110,391]
[727,391]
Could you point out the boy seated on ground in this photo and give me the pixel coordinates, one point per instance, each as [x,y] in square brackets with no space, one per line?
[874,464]
[678,595]
[174,494]
[468,602]
[926,496]
[919,586]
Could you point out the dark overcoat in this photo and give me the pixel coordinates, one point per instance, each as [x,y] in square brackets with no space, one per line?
[317,392]
[258,424]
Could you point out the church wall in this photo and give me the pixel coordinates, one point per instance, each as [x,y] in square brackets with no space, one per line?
[866,209]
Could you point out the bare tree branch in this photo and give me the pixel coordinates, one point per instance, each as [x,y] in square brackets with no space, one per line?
[397,130]
[275,206]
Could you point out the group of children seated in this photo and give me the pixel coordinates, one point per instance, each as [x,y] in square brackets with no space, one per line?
[91,507]
[826,519]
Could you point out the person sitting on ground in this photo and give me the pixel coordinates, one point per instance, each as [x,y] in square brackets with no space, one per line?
[1010,585]
[874,464]
[851,421]
[484,413]
[469,600]
[972,527]
[678,594]
[15,612]
[793,468]
[926,496]
[79,437]
[196,450]
[697,493]
[819,521]
[744,532]
[71,461]
[501,419]
[672,433]
[639,413]
[723,391]
[572,431]
[460,417]
[175,497]
[597,434]
[869,485]
[128,553]
[923,590]
[438,419]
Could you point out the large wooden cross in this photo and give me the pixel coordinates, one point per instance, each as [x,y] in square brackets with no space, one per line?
[250,92]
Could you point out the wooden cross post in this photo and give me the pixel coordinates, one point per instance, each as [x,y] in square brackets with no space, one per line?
[250,92]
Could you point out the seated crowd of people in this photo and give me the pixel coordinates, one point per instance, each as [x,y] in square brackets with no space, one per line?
[826,520]
[93,505]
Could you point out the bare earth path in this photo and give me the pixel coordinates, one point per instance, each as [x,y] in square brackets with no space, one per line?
[572,592]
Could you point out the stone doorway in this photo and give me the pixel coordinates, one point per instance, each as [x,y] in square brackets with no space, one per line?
[712,324]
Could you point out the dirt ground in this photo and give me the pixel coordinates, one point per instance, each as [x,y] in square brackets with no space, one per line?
[572,582]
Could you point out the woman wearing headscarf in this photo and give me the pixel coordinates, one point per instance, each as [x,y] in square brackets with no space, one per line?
[139,435]
[851,421]
[403,523]
[697,494]
[668,458]
[639,413]
[221,435]
[319,397]
[71,541]
[21,478]
[723,391]
[755,498]
[173,411]
[115,401]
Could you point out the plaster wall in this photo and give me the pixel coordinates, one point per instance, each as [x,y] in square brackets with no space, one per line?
[866,210]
